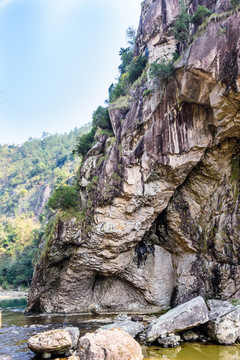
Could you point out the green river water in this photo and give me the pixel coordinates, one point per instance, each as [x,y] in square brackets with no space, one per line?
[16,329]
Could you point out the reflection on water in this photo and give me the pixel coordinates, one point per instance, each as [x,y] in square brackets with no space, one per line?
[13,303]
[16,329]
[192,351]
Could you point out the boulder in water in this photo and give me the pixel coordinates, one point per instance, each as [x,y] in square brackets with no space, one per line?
[112,344]
[54,342]
[182,317]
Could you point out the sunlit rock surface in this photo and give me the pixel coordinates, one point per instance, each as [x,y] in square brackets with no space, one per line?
[182,317]
[112,344]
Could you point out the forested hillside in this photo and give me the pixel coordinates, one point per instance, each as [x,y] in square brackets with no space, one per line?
[28,174]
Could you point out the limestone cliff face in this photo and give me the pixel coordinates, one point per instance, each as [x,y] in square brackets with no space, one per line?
[162,216]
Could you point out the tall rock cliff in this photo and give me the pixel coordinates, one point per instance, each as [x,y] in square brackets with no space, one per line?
[161,222]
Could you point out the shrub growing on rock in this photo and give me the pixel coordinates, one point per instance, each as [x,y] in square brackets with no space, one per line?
[101,119]
[85,142]
[181,25]
[235,3]
[136,68]
[64,198]
[201,13]
[163,70]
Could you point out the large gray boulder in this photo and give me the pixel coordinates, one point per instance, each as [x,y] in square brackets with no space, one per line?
[219,308]
[131,327]
[182,317]
[224,324]
[54,342]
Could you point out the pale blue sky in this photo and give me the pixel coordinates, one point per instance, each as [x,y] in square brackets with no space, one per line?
[57,60]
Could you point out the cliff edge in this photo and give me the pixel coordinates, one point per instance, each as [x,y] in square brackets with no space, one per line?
[161,223]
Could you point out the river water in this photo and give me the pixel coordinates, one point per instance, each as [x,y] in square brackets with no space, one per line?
[16,329]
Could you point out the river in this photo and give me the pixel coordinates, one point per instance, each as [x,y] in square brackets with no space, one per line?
[17,328]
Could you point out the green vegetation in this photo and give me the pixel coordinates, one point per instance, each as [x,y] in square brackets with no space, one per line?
[163,70]
[34,168]
[130,69]
[147,92]
[235,3]
[235,167]
[133,72]
[235,302]
[85,142]
[64,198]
[200,15]
[19,238]
[100,120]
[28,174]
[222,31]
[181,25]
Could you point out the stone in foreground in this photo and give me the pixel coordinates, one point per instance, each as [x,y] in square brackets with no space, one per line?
[54,341]
[131,327]
[182,317]
[224,324]
[112,344]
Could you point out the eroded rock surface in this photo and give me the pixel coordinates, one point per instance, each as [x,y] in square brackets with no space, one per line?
[54,341]
[162,218]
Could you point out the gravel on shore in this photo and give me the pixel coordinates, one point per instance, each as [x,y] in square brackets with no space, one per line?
[12,294]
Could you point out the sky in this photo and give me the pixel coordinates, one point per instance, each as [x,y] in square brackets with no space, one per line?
[57,61]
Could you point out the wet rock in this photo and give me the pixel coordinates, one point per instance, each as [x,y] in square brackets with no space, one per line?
[131,327]
[54,341]
[112,344]
[184,316]
[224,324]
[169,341]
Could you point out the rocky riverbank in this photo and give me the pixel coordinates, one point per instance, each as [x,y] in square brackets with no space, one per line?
[12,294]
[196,320]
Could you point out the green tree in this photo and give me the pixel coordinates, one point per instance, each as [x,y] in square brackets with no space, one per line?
[181,25]
[101,119]
[126,56]
[136,68]
[131,36]
[64,198]
[85,142]
[235,3]
[201,13]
